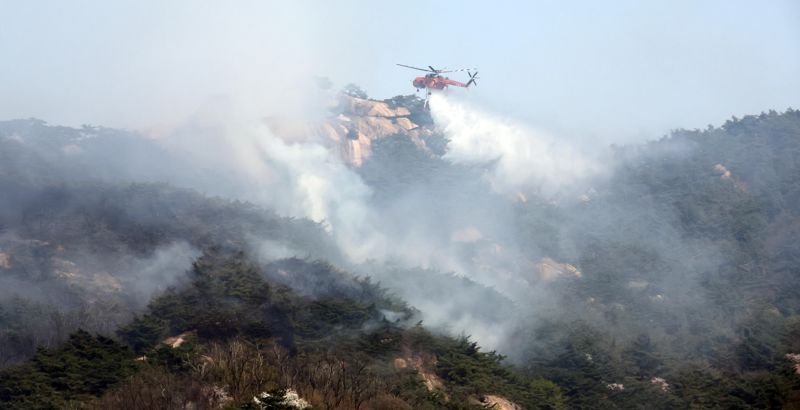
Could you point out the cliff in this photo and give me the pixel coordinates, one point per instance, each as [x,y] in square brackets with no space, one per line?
[354,124]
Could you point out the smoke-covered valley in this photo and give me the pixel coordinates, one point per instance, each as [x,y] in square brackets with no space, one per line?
[202,208]
[455,213]
[624,264]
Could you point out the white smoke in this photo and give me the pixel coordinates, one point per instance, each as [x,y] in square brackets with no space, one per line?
[527,158]
[308,179]
[301,179]
[165,267]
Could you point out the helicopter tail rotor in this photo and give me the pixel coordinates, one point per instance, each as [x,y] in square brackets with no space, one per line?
[472,78]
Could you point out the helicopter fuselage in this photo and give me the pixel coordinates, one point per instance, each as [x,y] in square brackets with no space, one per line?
[435,82]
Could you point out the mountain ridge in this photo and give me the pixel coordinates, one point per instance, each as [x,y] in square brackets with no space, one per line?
[671,283]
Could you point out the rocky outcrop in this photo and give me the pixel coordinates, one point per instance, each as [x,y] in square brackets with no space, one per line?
[357,125]
[370,108]
[795,359]
[176,341]
[495,402]
[5,261]
[95,281]
[291,400]
[549,269]
[423,363]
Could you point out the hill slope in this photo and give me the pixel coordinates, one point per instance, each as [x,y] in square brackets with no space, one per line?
[671,281]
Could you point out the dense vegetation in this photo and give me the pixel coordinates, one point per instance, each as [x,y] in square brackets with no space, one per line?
[688,291]
[63,240]
[687,295]
[245,335]
[689,274]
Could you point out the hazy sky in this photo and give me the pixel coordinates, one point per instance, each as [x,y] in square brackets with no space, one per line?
[616,72]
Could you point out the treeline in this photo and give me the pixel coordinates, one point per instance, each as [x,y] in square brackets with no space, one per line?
[688,293]
[241,335]
[73,254]
[688,297]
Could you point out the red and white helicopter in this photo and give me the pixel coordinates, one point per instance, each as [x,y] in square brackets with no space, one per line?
[435,81]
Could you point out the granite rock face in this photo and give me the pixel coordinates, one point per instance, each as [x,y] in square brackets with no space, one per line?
[357,124]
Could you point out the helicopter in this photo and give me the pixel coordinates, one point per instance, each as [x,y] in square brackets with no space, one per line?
[435,81]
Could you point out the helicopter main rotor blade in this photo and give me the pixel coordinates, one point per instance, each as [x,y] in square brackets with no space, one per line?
[415,68]
[456,70]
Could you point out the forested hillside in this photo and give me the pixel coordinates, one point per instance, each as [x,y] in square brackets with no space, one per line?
[689,289]
[671,281]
